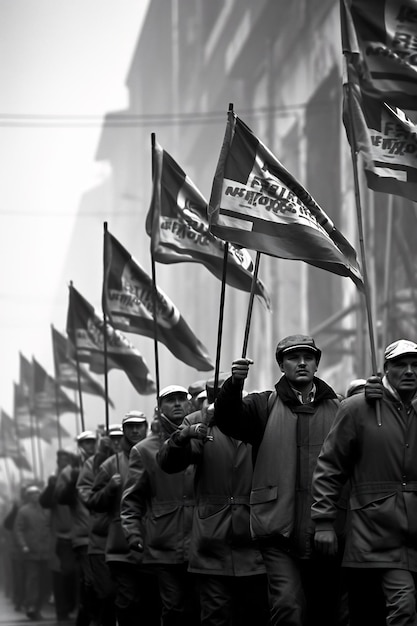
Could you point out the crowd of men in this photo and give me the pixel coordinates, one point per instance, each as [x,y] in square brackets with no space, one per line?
[291,506]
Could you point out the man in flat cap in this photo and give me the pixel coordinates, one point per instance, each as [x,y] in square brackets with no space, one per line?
[156,513]
[286,428]
[378,459]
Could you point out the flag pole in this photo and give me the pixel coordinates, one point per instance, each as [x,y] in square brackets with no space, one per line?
[354,157]
[387,271]
[58,416]
[221,316]
[250,306]
[154,290]
[80,395]
[106,384]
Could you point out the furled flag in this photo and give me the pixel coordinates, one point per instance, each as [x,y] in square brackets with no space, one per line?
[85,330]
[10,446]
[66,368]
[256,203]
[178,226]
[128,302]
[385,138]
[384,32]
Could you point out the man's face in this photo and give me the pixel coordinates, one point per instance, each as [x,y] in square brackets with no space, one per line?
[135,431]
[175,406]
[402,374]
[299,366]
[89,446]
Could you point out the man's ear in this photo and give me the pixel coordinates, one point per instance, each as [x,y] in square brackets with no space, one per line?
[280,366]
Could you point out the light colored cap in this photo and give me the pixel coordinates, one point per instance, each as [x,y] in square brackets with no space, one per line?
[115,430]
[33,489]
[400,348]
[134,417]
[202,395]
[355,385]
[171,389]
[85,435]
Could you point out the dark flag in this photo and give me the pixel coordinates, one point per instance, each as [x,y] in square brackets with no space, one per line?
[178,226]
[256,203]
[128,302]
[66,368]
[85,329]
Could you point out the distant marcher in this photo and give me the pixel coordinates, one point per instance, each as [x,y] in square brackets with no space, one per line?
[226,561]
[33,534]
[136,589]
[157,513]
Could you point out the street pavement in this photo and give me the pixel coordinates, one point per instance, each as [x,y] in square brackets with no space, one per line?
[10,617]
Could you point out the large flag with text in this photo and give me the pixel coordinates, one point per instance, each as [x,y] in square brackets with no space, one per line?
[85,329]
[385,138]
[178,226]
[384,33]
[128,302]
[10,446]
[376,83]
[66,370]
[256,203]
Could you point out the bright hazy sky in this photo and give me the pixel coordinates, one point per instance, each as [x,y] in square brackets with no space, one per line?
[65,58]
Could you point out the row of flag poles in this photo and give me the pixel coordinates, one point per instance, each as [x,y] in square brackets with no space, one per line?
[255,204]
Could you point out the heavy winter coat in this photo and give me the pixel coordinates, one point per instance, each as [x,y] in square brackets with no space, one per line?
[106,497]
[220,543]
[157,508]
[380,463]
[247,419]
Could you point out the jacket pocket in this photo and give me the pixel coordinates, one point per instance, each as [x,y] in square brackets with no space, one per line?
[375,522]
[262,522]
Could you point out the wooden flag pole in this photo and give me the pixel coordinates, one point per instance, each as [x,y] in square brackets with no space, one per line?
[80,395]
[221,316]
[387,269]
[154,289]
[106,382]
[250,306]
[353,151]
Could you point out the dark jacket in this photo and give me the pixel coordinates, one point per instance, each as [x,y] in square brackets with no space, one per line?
[246,419]
[105,498]
[220,542]
[33,531]
[157,508]
[380,464]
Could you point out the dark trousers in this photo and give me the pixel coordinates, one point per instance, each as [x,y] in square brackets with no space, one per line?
[65,581]
[88,604]
[233,600]
[304,592]
[136,594]
[177,588]
[37,585]
[381,596]
[104,589]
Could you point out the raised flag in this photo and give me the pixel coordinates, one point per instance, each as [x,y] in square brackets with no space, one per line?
[256,203]
[385,138]
[178,226]
[128,303]
[384,33]
[66,373]
[25,423]
[85,329]
[10,446]
[49,398]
